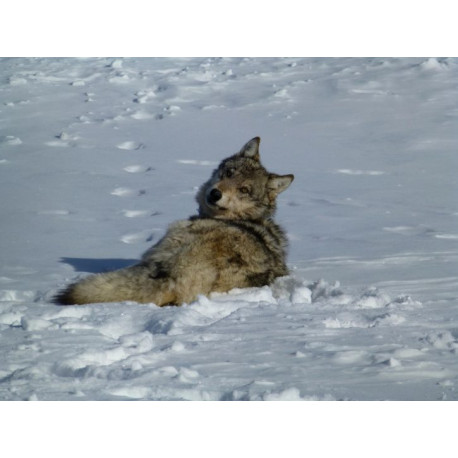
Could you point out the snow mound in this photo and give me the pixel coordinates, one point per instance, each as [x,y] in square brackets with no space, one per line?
[216,348]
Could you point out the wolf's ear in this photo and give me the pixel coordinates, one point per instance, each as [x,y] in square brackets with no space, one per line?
[251,149]
[278,183]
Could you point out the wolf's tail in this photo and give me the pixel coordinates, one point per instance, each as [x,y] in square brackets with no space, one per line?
[134,283]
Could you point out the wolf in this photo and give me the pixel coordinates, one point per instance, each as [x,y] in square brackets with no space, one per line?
[233,242]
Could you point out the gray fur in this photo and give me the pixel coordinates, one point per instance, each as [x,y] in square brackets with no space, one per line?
[232,243]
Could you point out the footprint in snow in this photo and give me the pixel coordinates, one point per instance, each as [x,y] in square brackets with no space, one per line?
[54,212]
[447,236]
[197,162]
[17,81]
[351,356]
[10,140]
[131,392]
[63,140]
[137,237]
[122,192]
[138,169]
[78,83]
[171,110]
[130,145]
[135,213]
[419,230]
[127,192]
[144,96]
[360,172]
[19,102]
[142,115]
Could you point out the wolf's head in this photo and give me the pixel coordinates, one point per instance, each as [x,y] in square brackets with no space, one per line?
[241,188]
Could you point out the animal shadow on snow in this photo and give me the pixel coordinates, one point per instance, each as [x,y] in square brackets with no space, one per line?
[95,266]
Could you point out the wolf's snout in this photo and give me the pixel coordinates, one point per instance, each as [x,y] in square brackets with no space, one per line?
[214,196]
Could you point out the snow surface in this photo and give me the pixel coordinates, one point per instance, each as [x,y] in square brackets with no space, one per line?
[98,156]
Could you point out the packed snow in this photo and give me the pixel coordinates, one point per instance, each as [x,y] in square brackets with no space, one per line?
[99,155]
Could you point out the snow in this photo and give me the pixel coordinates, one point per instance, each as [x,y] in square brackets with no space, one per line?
[99,155]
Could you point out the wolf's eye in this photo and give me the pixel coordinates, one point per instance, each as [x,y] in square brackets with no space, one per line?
[229,173]
[244,190]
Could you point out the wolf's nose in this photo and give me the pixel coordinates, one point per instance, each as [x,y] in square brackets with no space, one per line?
[215,195]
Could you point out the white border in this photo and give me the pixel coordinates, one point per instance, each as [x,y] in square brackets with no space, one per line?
[235,28]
